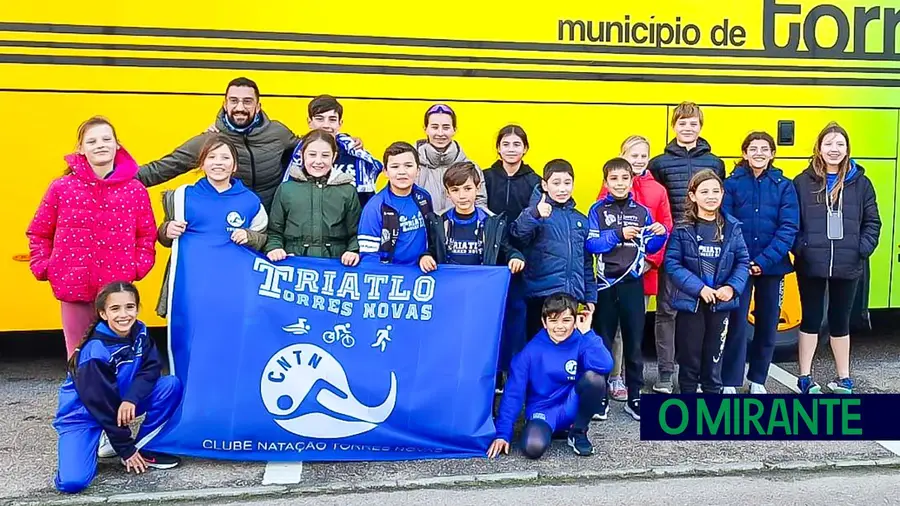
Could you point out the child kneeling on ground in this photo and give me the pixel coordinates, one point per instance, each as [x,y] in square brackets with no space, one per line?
[113,377]
[560,376]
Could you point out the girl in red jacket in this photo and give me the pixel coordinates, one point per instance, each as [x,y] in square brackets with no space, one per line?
[652,195]
[94,226]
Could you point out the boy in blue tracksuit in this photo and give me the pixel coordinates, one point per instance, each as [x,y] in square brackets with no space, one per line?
[766,203]
[392,228]
[708,262]
[560,376]
[113,377]
[553,234]
[621,232]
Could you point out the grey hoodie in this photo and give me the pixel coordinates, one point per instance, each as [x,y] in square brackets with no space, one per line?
[434,164]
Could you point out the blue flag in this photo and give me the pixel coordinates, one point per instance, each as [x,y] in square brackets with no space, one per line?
[308,360]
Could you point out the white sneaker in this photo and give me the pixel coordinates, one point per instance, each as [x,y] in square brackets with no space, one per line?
[757,389]
[106,449]
[729,390]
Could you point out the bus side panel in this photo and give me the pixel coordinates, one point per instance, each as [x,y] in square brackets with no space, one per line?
[151,126]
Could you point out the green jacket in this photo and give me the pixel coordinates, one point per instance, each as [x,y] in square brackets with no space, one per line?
[260,152]
[315,218]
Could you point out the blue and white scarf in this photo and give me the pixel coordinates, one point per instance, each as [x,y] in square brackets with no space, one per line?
[366,167]
[257,120]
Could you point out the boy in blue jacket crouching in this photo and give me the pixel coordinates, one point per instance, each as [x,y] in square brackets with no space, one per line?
[561,378]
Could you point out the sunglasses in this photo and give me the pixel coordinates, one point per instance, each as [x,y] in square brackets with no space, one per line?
[440,109]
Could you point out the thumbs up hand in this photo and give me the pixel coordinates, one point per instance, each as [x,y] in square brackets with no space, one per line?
[543,208]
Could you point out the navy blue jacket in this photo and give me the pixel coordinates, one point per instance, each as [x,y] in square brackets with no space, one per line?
[554,248]
[769,214]
[110,370]
[675,168]
[683,266]
[814,254]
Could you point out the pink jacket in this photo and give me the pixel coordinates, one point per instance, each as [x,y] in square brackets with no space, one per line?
[88,231]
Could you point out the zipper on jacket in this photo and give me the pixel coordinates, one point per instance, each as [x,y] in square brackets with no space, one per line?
[831,260]
[700,263]
[252,164]
[569,262]
[508,184]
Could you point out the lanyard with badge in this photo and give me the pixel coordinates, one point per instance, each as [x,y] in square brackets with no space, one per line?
[835,216]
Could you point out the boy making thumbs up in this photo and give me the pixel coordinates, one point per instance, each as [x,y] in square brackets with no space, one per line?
[553,234]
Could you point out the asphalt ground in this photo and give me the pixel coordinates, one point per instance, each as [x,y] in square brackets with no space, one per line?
[32,368]
[870,488]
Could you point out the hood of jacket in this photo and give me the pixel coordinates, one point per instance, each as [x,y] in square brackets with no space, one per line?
[675,149]
[571,342]
[431,158]
[856,170]
[124,167]
[335,177]
[237,187]
[730,223]
[523,171]
[741,172]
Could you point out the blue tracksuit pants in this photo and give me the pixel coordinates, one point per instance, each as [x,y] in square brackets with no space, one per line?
[78,444]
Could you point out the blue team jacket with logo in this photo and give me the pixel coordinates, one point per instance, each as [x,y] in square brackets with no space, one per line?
[110,370]
[544,372]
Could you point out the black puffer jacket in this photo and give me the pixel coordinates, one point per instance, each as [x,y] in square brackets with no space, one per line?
[675,168]
[817,256]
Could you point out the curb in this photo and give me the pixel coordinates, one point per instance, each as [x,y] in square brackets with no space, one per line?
[470,481]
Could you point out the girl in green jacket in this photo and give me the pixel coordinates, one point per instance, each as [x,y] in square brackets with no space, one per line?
[316,212]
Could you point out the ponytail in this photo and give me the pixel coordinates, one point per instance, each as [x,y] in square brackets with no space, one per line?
[72,363]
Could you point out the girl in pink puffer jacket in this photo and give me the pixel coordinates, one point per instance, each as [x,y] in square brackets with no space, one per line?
[94,226]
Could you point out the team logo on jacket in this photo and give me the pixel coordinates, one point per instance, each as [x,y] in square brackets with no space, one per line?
[609,218]
[235,219]
[571,367]
[302,385]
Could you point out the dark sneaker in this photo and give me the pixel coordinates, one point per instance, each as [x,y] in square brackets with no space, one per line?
[603,414]
[806,385]
[841,386]
[633,408]
[664,385]
[580,443]
[159,460]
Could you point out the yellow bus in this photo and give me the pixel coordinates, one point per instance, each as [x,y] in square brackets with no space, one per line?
[578,75]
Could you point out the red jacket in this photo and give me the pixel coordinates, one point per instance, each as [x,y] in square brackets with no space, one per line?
[88,231]
[652,195]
